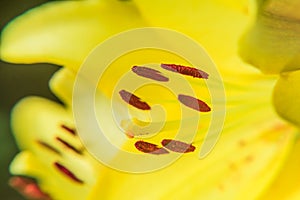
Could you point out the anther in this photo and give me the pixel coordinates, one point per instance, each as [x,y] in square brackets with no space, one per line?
[189,71]
[134,100]
[149,73]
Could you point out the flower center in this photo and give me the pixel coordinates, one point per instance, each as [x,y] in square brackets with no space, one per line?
[139,127]
[135,94]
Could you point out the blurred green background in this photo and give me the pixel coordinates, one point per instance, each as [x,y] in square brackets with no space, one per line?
[16,82]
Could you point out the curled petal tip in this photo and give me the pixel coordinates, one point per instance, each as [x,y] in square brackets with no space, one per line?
[286,96]
[272,42]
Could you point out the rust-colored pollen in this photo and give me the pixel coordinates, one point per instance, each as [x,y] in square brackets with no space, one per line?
[178,146]
[67,172]
[28,187]
[134,100]
[149,73]
[68,129]
[185,70]
[68,145]
[147,147]
[194,103]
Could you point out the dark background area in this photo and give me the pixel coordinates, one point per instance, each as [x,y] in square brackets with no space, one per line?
[16,82]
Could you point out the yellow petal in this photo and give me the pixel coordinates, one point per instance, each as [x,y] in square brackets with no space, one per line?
[33,108]
[26,164]
[239,167]
[61,84]
[216,25]
[286,184]
[49,179]
[65,32]
[254,143]
[53,153]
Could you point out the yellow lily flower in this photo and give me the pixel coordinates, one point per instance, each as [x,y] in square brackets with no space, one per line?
[254,157]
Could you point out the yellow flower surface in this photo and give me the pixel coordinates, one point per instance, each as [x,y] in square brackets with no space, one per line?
[256,156]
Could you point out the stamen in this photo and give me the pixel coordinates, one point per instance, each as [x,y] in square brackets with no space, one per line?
[67,172]
[149,73]
[147,147]
[134,100]
[194,103]
[178,146]
[68,129]
[189,71]
[49,147]
[28,188]
[68,145]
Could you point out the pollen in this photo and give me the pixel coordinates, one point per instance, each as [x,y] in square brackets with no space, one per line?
[185,70]
[147,147]
[134,100]
[149,73]
[178,146]
[193,103]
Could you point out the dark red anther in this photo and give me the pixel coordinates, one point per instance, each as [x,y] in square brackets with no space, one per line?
[189,71]
[147,147]
[149,73]
[48,146]
[68,129]
[28,188]
[134,100]
[194,103]
[68,145]
[178,146]
[67,172]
